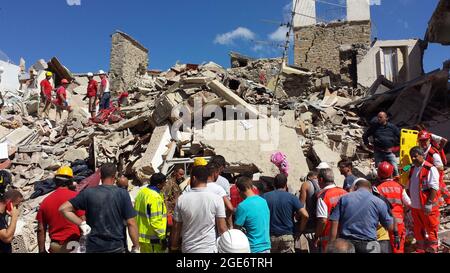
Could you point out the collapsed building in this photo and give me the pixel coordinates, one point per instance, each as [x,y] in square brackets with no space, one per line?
[204,109]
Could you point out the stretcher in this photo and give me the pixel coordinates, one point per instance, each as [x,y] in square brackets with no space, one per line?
[408,140]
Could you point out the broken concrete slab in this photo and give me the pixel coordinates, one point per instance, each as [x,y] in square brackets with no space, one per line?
[194,80]
[152,158]
[40,65]
[222,91]
[29,149]
[348,149]
[49,164]
[74,154]
[18,136]
[323,82]
[4,131]
[164,106]
[335,136]
[307,117]
[133,122]
[287,118]
[325,154]
[251,149]
[290,70]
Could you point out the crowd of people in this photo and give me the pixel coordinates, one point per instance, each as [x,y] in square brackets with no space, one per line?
[203,212]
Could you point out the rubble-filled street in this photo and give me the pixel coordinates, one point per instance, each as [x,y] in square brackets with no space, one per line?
[264,116]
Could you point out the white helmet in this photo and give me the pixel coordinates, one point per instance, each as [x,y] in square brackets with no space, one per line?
[323,165]
[101,72]
[233,241]
[90,74]
[2,69]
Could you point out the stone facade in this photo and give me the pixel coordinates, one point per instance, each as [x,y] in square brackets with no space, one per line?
[128,59]
[321,46]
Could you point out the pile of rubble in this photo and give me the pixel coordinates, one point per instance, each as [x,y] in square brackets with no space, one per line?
[172,116]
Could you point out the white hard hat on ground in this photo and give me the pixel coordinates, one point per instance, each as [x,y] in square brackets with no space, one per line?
[90,74]
[233,241]
[323,165]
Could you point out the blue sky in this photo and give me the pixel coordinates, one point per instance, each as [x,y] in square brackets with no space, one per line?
[179,30]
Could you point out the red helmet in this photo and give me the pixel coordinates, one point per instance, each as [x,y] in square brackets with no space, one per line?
[64,81]
[424,135]
[385,170]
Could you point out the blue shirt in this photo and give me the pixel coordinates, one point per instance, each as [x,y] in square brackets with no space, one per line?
[107,207]
[155,188]
[359,213]
[253,214]
[282,206]
[348,181]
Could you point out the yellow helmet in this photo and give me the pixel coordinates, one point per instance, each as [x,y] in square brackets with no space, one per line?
[200,161]
[49,74]
[65,171]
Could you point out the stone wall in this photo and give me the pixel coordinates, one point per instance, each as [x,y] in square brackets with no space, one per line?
[319,46]
[128,59]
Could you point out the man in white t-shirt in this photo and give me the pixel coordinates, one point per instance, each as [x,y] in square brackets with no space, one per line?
[212,186]
[198,213]
[433,155]
[104,91]
[221,181]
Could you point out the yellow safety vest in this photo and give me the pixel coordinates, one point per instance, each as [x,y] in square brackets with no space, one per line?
[151,224]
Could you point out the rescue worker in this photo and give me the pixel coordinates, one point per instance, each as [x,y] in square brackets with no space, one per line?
[386,137]
[92,94]
[46,93]
[61,231]
[433,156]
[397,197]
[152,216]
[423,189]
[104,93]
[328,198]
[61,100]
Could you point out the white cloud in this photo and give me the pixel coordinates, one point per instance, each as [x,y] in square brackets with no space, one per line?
[279,35]
[257,48]
[73,2]
[229,37]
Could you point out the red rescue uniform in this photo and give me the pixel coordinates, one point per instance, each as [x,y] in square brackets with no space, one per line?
[442,186]
[331,197]
[393,192]
[426,226]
